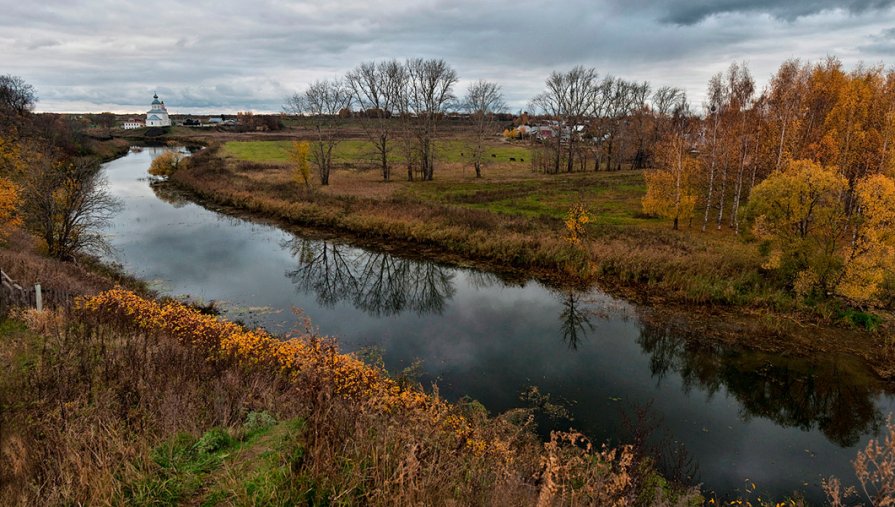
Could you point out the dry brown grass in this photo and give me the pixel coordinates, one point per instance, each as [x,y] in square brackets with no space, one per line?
[86,400]
[21,258]
[83,404]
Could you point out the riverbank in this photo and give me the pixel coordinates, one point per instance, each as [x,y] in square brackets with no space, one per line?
[125,399]
[513,220]
[130,400]
[471,219]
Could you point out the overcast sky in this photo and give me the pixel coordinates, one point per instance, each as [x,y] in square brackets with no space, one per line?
[225,56]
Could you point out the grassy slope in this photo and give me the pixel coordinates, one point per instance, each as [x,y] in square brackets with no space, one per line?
[94,411]
[252,466]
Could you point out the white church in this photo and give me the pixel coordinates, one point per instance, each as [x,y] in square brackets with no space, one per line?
[157,116]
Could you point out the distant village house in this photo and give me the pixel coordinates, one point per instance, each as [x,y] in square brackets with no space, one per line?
[132,124]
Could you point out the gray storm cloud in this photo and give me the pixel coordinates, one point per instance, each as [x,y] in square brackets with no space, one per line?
[226,56]
[688,12]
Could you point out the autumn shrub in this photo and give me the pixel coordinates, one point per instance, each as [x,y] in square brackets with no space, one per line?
[167,163]
[576,220]
[9,201]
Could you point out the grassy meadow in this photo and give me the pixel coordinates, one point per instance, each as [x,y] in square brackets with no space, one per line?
[354,151]
[507,187]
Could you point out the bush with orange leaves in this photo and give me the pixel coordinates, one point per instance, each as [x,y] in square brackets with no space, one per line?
[302,358]
[423,448]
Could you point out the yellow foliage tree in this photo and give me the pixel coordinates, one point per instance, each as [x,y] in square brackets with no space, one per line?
[301,171]
[514,133]
[870,256]
[671,190]
[9,201]
[799,211]
[11,160]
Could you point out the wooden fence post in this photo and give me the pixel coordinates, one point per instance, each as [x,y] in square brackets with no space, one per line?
[38,297]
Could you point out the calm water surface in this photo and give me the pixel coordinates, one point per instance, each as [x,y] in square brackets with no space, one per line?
[782,423]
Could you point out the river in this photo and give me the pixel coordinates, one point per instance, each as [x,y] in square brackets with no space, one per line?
[724,416]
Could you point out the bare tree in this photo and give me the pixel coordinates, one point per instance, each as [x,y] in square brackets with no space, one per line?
[65,202]
[378,88]
[322,101]
[430,91]
[666,99]
[640,122]
[17,97]
[551,103]
[483,100]
[621,99]
[568,99]
[668,103]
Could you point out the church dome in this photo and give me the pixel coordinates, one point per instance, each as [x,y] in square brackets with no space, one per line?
[157,116]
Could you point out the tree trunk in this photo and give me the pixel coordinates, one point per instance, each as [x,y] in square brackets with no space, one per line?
[721,197]
[383,149]
[708,200]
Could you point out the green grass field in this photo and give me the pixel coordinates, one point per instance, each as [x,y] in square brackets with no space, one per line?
[359,151]
[611,198]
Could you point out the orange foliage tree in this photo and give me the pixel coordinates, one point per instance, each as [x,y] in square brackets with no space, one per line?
[9,201]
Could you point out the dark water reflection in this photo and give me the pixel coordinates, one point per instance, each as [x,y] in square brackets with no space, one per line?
[378,283]
[782,422]
[835,397]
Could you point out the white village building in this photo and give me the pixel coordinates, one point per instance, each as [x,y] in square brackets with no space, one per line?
[133,123]
[158,115]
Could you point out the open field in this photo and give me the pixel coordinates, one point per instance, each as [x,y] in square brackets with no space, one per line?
[507,187]
[355,151]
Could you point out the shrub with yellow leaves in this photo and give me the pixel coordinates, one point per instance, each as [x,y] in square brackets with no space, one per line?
[575,221]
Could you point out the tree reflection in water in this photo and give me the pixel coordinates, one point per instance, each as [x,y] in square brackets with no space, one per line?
[168,193]
[574,319]
[834,394]
[380,284]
